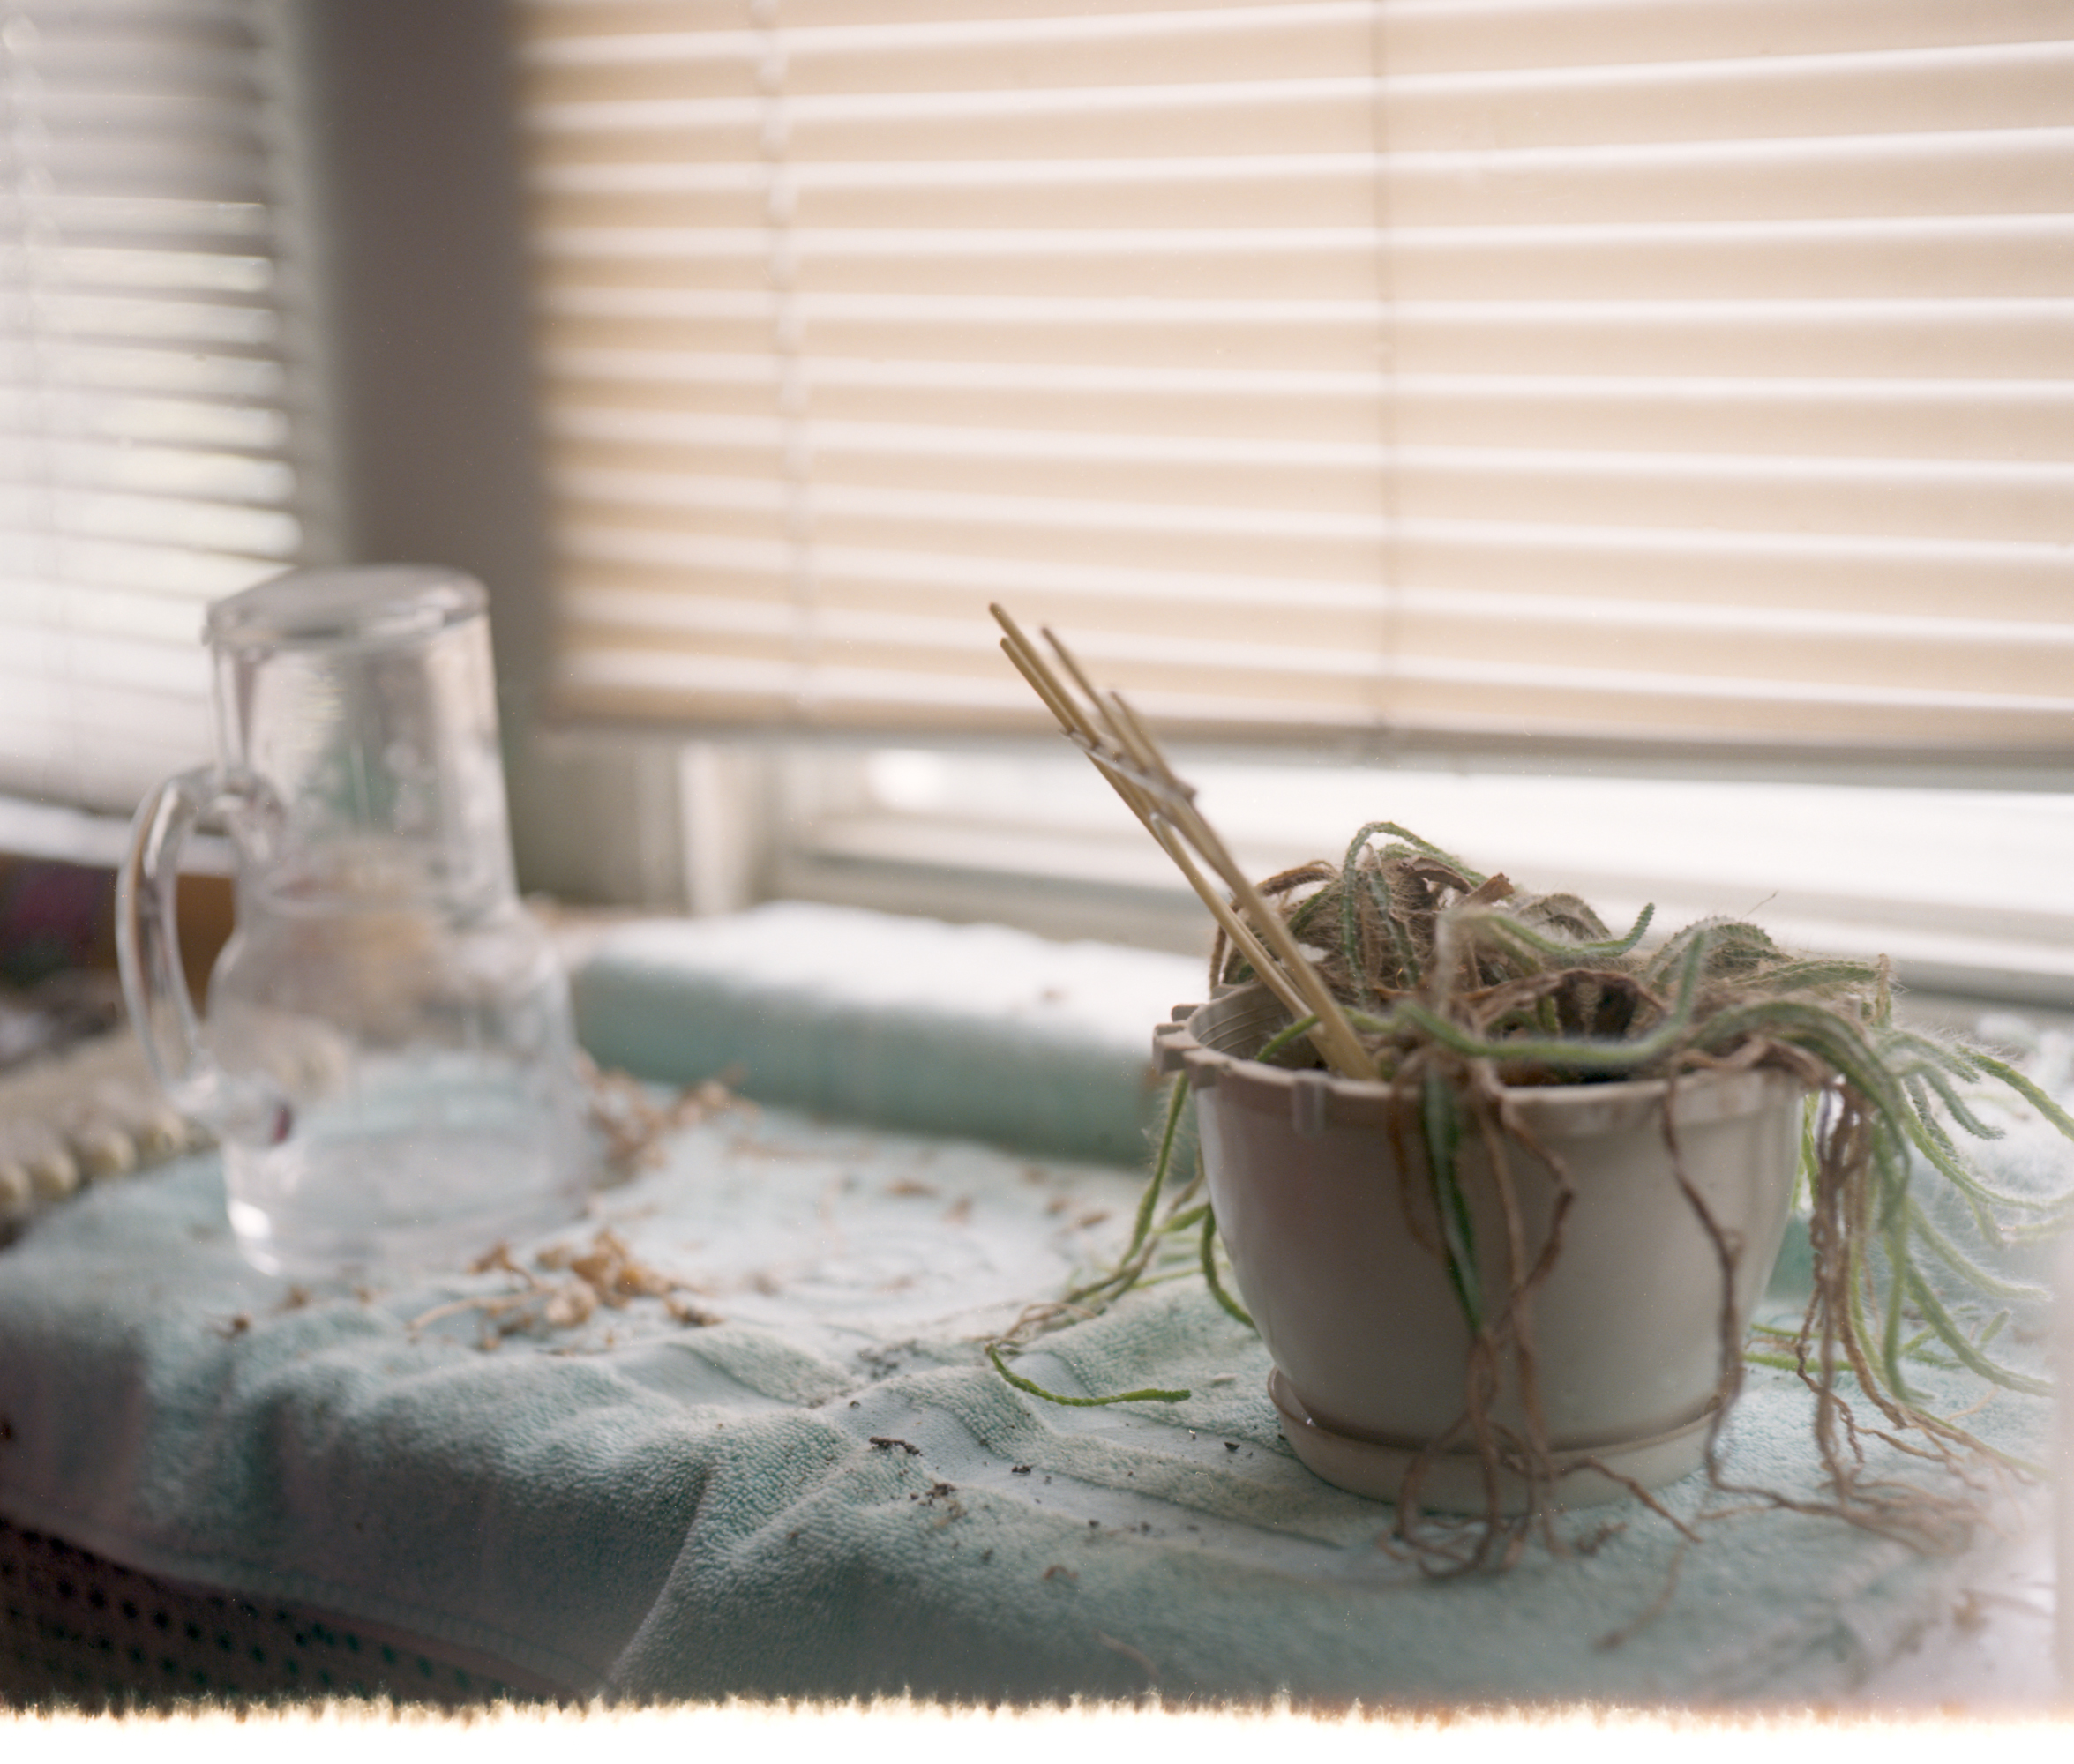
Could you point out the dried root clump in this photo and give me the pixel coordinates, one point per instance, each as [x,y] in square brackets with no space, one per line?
[633,1126]
[1433,960]
[604,1274]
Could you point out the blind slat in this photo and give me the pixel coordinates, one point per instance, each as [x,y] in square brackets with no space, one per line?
[1905,92]
[1985,172]
[632,395]
[1437,33]
[2021,338]
[1970,258]
[1938,498]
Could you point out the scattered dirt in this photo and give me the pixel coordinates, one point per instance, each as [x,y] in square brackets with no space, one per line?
[604,1274]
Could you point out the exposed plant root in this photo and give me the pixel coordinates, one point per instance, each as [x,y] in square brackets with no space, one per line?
[1657,1606]
[1830,1333]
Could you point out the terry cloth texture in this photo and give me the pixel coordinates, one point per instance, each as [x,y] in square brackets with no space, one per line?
[970,1030]
[829,1492]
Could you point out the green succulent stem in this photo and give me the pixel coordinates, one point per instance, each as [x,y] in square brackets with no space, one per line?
[1210,1276]
[994,1353]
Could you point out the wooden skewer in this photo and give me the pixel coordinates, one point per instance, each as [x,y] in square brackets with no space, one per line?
[1235,928]
[1026,656]
[1075,724]
[1059,708]
[1344,1047]
[1157,808]
[1132,761]
[1338,1042]
[1204,838]
[1131,782]
[1071,663]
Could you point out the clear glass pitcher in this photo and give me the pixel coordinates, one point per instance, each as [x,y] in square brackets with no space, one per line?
[387,1057]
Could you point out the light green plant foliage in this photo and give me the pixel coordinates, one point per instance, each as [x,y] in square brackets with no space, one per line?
[1459,985]
[1158,1240]
[994,1353]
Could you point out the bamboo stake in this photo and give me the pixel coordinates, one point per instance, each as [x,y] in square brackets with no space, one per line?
[1128,757]
[1075,723]
[1176,800]
[1084,733]
[1131,785]
[1347,1054]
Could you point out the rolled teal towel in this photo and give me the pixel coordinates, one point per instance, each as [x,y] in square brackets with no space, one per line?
[973,1031]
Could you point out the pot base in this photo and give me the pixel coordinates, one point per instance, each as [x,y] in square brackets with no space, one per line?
[1454,1481]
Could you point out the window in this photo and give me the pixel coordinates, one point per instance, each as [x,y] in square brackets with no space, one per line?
[1584,371]
[154,419]
[1599,385]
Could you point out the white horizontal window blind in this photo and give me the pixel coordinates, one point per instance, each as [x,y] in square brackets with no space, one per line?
[1694,371]
[145,464]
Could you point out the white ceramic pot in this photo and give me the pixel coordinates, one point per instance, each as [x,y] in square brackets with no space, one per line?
[1334,1255]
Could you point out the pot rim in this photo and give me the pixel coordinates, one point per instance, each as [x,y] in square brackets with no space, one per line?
[1316,1099]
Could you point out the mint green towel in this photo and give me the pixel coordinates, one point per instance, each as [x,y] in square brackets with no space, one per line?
[957,1029]
[829,1492]
[661,1510]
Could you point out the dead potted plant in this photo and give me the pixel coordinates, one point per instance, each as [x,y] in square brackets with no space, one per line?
[1500,1187]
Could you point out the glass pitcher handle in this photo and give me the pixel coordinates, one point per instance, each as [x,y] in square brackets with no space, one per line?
[248,1107]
